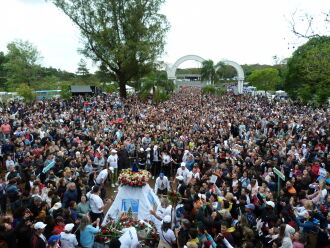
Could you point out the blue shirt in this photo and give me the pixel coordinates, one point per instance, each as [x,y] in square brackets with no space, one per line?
[87,236]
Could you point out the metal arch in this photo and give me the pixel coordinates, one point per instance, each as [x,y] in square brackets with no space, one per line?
[172,70]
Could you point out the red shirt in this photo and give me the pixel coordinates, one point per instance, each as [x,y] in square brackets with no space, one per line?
[58,229]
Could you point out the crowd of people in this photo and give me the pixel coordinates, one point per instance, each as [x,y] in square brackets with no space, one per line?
[251,172]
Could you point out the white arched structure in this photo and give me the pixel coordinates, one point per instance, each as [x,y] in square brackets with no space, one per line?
[172,70]
[240,73]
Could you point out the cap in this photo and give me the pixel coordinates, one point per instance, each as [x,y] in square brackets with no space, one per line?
[53,239]
[161,174]
[250,206]
[270,203]
[114,151]
[141,149]
[68,227]
[39,225]
[57,205]
[111,168]
[183,164]
[148,149]
[202,196]
[180,178]
[167,219]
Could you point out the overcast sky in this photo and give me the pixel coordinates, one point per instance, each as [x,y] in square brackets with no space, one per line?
[245,31]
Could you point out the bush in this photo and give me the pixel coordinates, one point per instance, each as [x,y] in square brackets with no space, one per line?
[209,90]
[26,92]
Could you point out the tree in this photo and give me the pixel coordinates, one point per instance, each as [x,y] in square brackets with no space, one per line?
[225,71]
[307,26]
[27,92]
[208,71]
[65,91]
[3,76]
[82,68]
[126,37]
[158,85]
[309,71]
[266,79]
[22,63]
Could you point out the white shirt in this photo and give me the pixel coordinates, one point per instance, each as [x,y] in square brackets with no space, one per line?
[68,240]
[162,184]
[183,173]
[102,176]
[129,239]
[167,237]
[95,203]
[113,161]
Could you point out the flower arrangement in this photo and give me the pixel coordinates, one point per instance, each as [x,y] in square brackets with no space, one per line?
[174,197]
[135,179]
[113,230]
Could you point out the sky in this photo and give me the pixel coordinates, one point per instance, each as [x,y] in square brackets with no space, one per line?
[244,31]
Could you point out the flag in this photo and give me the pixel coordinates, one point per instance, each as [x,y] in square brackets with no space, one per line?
[48,167]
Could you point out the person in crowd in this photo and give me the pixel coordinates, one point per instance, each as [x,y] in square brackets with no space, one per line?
[88,231]
[68,239]
[53,241]
[83,207]
[38,239]
[162,185]
[112,162]
[166,235]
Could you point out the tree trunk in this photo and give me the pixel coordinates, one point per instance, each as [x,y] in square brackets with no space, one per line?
[122,89]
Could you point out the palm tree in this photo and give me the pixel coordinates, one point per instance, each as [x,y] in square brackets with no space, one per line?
[208,71]
[158,85]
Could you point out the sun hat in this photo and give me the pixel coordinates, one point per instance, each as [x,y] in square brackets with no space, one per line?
[167,219]
[270,203]
[68,227]
[39,225]
[57,205]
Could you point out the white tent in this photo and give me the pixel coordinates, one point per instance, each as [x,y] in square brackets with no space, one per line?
[138,200]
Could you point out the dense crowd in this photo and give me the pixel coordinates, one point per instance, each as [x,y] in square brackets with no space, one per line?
[59,159]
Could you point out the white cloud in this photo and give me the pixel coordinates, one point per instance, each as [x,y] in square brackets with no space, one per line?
[244,31]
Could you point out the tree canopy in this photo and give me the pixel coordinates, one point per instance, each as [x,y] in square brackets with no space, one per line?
[126,37]
[265,79]
[308,71]
[22,63]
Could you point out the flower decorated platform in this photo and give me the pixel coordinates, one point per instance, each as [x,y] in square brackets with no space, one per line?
[113,230]
[134,178]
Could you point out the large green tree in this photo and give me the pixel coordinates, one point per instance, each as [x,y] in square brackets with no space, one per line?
[125,36]
[308,71]
[22,64]
[265,79]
